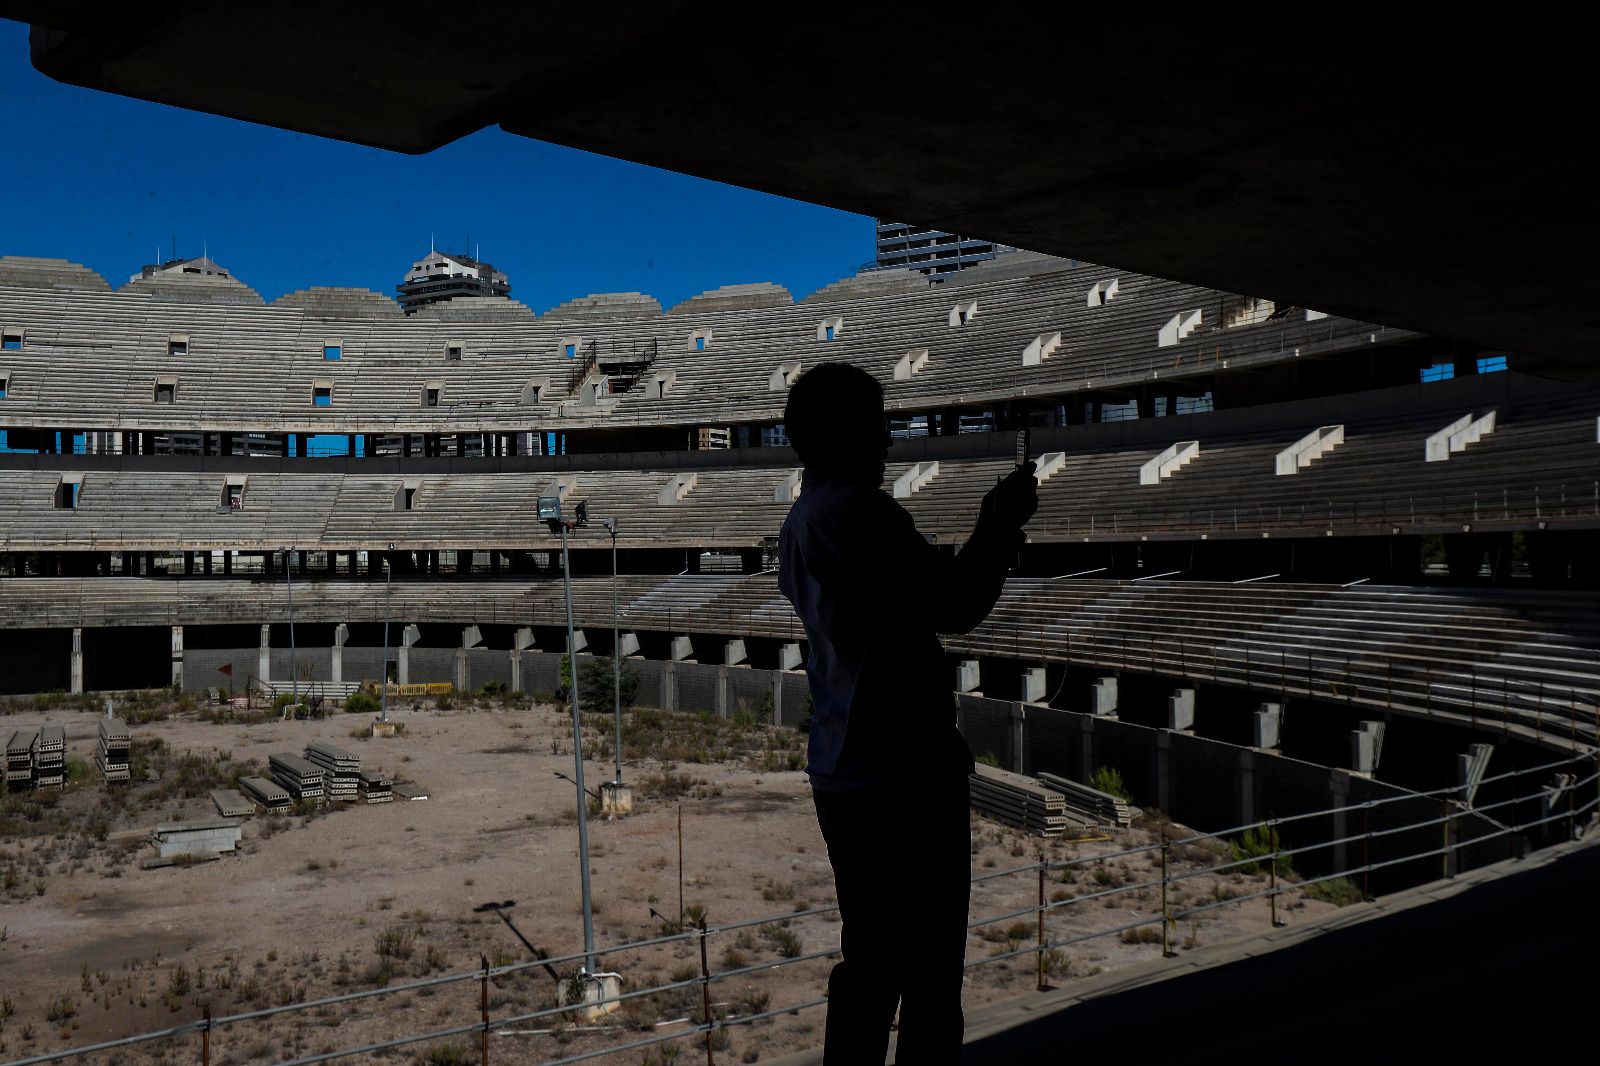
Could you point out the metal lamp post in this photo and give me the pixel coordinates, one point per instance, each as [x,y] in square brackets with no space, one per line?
[388,608]
[616,646]
[550,511]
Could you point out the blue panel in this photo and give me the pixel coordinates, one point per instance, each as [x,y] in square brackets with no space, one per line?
[1491,364]
[332,353]
[1439,372]
[322,399]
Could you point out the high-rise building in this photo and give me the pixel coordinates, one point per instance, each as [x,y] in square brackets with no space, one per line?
[933,252]
[439,276]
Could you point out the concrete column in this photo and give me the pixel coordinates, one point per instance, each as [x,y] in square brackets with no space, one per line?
[177,657]
[733,653]
[77,659]
[1019,715]
[967,676]
[471,637]
[521,641]
[723,704]
[1180,711]
[264,659]
[1104,700]
[408,636]
[1245,787]
[627,644]
[682,649]
[669,686]
[1268,725]
[789,657]
[1033,685]
[1163,759]
[1086,748]
[1366,748]
[341,633]
[579,641]
[777,697]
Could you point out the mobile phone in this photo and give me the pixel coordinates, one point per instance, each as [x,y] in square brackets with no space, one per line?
[1022,445]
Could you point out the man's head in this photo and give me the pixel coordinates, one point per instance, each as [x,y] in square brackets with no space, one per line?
[835,420]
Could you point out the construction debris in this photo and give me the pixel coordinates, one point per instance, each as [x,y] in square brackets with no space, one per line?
[115,746]
[1019,801]
[409,790]
[1091,805]
[215,835]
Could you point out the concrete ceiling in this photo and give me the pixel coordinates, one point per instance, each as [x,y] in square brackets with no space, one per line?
[1423,173]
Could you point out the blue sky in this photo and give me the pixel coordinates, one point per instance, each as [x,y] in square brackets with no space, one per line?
[103,180]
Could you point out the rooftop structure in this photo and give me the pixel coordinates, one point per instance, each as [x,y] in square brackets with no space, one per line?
[935,253]
[439,276]
[202,266]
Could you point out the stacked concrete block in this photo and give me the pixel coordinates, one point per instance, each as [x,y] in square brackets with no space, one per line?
[374,787]
[1018,800]
[267,795]
[115,746]
[210,837]
[1091,805]
[50,757]
[19,759]
[303,780]
[341,771]
[231,803]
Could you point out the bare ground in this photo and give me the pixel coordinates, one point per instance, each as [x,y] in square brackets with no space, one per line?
[96,947]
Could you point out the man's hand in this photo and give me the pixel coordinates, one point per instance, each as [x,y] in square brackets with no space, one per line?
[1010,504]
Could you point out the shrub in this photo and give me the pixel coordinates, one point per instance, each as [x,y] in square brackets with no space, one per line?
[1108,780]
[1339,891]
[1256,845]
[450,1055]
[396,942]
[362,703]
[596,685]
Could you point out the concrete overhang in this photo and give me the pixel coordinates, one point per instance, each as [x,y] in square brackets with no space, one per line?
[1427,173]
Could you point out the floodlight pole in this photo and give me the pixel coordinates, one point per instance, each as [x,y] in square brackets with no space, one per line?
[288,582]
[616,647]
[388,609]
[577,759]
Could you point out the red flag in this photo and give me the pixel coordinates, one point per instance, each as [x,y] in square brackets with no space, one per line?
[226,668]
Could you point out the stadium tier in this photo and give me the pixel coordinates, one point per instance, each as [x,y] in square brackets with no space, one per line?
[180,354]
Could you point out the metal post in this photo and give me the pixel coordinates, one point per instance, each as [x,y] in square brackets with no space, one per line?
[705,991]
[1444,802]
[205,1035]
[483,1037]
[388,600]
[1166,910]
[577,760]
[680,866]
[1272,880]
[1366,852]
[1043,986]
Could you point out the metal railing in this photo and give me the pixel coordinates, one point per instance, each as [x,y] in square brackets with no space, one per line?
[1444,827]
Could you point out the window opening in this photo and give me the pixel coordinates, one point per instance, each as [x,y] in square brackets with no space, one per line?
[452,352]
[166,390]
[232,494]
[5,384]
[178,344]
[67,494]
[1438,372]
[430,397]
[322,396]
[11,340]
[1491,364]
[332,352]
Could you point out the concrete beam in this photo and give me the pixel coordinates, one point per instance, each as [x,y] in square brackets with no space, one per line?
[627,644]
[472,636]
[579,641]
[522,639]
[789,657]
[733,653]
[682,649]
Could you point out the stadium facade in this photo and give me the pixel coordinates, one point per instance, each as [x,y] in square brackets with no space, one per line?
[934,253]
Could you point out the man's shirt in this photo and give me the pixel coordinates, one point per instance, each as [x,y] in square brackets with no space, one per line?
[873,595]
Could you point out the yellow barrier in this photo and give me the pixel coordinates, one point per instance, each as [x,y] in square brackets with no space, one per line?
[430,688]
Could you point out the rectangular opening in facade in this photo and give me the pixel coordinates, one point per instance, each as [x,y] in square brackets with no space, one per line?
[232,494]
[178,344]
[531,391]
[332,350]
[1438,372]
[68,491]
[405,498]
[11,340]
[5,383]
[166,390]
[1491,364]
[452,351]
[322,394]
[430,396]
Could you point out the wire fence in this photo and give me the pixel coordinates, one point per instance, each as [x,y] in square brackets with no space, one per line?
[1432,834]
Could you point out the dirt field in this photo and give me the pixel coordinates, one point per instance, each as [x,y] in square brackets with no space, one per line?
[95,947]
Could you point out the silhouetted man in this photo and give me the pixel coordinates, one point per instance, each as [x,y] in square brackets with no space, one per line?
[888,766]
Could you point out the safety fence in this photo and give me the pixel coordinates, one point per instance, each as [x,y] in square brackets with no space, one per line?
[1442,833]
